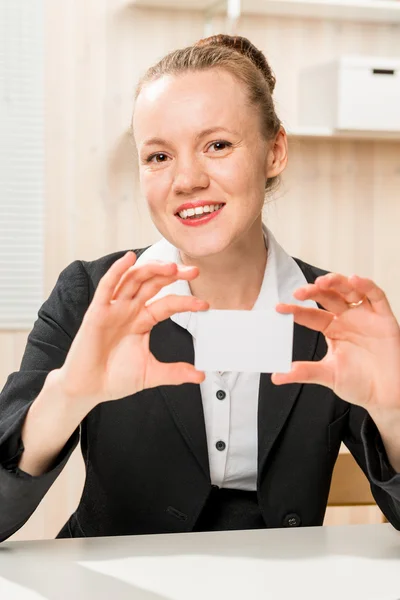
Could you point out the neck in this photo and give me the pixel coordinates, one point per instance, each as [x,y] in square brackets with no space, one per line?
[231,280]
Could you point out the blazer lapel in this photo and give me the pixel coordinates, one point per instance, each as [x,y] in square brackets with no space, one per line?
[171,343]
[276,402]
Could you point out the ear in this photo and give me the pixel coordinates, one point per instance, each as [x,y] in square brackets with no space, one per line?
[277,155]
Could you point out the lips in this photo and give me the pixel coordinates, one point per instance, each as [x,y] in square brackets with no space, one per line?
[194,205]
[188,218]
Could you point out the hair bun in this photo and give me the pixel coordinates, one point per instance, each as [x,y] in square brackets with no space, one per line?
[245,47]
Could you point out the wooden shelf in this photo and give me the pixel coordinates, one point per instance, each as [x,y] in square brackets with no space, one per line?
[326,133]
[377,11]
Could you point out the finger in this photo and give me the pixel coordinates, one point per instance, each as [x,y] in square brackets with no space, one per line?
[151,287]
[330,300]
[169,305]
[108,282]
[147,290]
[132,280]
[305,372]
[177,374]
[341,285]
[313,318]
[132,285]
[375,295]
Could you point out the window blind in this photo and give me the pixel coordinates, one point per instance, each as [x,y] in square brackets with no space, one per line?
[21,162]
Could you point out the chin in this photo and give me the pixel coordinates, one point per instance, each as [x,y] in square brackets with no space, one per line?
[203,246]
[200,242]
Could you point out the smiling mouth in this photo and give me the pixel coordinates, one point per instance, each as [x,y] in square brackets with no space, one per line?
[198,212]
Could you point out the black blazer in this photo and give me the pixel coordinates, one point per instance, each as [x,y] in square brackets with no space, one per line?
[146,455]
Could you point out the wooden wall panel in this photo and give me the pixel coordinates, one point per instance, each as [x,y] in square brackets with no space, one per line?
[339,208]
[338,205]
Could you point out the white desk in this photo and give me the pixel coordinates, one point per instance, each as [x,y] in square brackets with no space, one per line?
[319,563]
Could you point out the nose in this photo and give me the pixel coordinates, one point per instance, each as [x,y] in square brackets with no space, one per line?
[190,176]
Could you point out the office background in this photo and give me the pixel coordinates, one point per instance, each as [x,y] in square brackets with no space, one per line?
[338,206]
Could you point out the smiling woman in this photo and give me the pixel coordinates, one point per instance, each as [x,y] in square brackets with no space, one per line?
[206,131]
[167,447]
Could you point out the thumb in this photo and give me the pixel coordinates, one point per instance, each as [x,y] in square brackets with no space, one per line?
[177,374]
[305,372]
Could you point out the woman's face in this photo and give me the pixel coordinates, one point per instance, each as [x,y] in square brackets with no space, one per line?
[200,146]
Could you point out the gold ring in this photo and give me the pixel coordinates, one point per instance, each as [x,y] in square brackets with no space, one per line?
[355,304]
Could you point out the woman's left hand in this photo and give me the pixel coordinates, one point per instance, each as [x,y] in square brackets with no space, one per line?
[362,364]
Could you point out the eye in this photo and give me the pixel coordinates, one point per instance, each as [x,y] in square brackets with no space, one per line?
[220,145]
[159,156]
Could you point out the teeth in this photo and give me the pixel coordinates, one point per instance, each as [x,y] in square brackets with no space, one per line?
[199,210]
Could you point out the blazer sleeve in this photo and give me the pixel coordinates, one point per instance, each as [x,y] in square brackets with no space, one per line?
[365,443]
[48,343]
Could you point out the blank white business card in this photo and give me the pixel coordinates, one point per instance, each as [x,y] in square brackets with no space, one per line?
[250,341]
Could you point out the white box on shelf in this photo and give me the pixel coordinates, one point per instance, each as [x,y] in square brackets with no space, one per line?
[351,94]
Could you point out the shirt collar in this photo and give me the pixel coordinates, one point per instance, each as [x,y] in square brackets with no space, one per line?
[282,277]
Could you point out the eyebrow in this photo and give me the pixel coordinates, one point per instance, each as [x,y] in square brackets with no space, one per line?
[161,142]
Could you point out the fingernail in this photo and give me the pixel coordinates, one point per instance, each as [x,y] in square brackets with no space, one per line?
[186,268]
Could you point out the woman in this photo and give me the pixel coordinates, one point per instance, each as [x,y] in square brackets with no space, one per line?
[110,358]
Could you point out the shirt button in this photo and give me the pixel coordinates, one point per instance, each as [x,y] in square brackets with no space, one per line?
[220,445]
[221,394]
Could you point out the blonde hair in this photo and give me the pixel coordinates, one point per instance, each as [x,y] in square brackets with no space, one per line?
[236,55]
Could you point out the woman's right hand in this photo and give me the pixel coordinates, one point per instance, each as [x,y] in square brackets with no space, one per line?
[110,357]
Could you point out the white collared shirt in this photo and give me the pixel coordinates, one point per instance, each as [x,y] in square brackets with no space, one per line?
[232,418]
